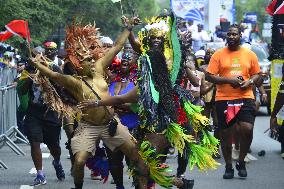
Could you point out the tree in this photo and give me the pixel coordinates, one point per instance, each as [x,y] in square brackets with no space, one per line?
[257,6]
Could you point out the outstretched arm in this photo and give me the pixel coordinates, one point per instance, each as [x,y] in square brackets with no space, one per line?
[66,81]
[130,97]
[105,61]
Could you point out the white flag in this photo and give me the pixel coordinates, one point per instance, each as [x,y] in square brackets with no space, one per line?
[115,1]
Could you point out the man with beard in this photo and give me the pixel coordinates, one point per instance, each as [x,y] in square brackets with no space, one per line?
[234,70]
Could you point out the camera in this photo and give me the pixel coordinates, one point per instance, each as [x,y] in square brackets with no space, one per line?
[112,127]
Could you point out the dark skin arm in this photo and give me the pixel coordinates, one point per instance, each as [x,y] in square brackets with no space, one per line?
[234,81]
[191,77]
[130,97]
[133,42]
[247,84]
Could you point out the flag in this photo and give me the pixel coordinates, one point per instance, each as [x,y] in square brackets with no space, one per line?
[272,10]
[280,9]
[16,27]
[115,1]
[5,34]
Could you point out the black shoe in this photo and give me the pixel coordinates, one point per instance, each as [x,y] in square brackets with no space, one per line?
[229,172]
[59,170]
[187,184]
[241,167]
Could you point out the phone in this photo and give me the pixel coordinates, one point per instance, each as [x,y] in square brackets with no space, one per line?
[240,78]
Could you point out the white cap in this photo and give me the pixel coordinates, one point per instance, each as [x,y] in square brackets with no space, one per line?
[106,40]
[200,54]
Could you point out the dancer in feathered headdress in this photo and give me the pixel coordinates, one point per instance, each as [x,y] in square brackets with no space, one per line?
[164,108]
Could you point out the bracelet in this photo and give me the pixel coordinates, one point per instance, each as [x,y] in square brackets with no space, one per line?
[264,94]
[251,82]
[96,103]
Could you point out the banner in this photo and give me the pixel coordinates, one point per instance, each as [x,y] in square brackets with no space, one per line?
[192,10]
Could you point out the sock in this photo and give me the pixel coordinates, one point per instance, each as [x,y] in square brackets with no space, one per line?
[40,172]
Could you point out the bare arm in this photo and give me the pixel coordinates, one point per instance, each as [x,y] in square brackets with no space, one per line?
[130,97]
[192,78]
[105,61]
[205,87]
[235,82]
[66,81]
[134,43]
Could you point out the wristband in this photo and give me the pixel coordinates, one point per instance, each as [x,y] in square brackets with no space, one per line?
[251,82]
[264,94]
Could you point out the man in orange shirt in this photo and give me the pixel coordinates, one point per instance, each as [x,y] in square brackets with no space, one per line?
[234,70]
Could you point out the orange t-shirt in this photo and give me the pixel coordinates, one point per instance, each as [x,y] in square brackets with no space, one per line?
[226,63]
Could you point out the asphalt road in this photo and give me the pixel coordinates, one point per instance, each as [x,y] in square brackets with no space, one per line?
[265,173]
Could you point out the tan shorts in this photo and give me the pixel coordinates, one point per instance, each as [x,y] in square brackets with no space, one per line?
[86,137]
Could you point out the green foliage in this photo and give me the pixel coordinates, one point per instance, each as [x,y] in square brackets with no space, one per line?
[45,16]
[257,6]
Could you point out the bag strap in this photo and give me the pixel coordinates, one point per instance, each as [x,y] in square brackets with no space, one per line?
[96,94]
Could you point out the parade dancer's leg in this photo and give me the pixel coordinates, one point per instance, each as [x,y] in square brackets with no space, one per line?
[115,160]
[78,168]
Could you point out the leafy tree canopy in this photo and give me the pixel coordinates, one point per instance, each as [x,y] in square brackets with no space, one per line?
[45,16]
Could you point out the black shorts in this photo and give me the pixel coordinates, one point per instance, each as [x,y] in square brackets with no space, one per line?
[246,114]
[40,130]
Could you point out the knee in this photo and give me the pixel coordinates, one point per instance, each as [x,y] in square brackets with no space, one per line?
[80,161]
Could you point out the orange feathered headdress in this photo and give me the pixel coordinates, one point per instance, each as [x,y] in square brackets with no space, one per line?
[83,44]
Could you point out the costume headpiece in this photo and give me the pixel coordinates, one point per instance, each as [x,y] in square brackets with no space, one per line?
[83,43]
[50,45]
[157,29]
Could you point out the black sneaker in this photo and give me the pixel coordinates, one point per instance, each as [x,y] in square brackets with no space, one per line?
[59,170]
[241,167]
[187,184]
[229,172]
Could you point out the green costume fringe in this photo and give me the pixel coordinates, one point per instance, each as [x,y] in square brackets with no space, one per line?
[176,136]
[201,157]
[158,172]
[210,142]
[197,120]
[177,53]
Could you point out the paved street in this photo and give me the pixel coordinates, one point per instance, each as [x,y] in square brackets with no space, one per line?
[266,172]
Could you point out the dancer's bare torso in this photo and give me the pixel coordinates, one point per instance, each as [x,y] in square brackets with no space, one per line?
[98,115]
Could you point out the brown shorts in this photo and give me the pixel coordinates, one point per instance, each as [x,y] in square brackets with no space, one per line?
[86,137]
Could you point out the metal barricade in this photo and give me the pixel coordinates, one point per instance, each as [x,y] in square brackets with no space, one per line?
[8,119]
